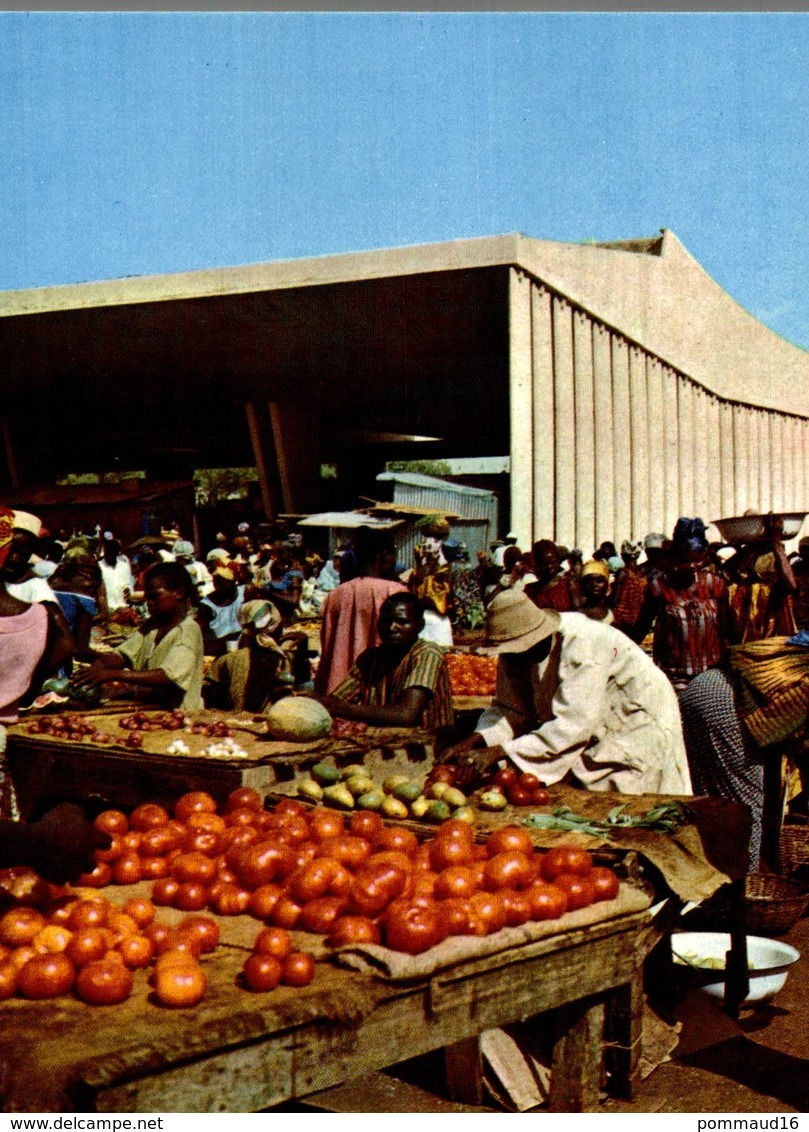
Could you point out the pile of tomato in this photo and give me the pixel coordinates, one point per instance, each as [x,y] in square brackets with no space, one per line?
[70,726]
[471,675]
[348,877]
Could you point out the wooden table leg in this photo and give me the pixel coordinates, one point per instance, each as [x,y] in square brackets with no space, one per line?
[622,1030]
[577,1053]
[464,1069]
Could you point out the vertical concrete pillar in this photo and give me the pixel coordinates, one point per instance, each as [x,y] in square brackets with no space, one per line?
[779,459]
[622,438]
[657,466]
[686,455]
[741,461]
[670,452]
[544,439]
[761,459]
[703,491]
[565,426]
[713,471]
[585,431]
[605,485]
[727,472]
[521,407]
[639,424]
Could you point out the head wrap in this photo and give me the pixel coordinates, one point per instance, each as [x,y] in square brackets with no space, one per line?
[631,549]
[228,570]
[596,566]
[689,535]
[218,554]
[6,517]
[261,615]
[615,563]
[654,542]
[23,521]
[183,549]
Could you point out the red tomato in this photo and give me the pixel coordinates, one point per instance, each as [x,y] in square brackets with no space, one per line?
[394,837]
[413,930]
[274,941]
[8,979]
[509,869]
[318,915]
[136,951]
[127,869]
[456,881]
[194,802]
[201,928]
[243,797]
[239,835]
[547,901]
[153,868]
[229,899]
[312,880]
[104,982]
[365,824]
[205,841]
[394,857]
[85,946]
[579,889]
[518,907]
[120,924]
[605,883]
[131,841]
[290,806]
[326,823]
[293,829]
[113,851]
[540,797]
[160,841]
[263,899]
[191,896]
[566,859]
[527,781]
[241,815]
[456,916]
[259,862]
[505,778]
[19,926]
[261,972]
[180,985]
[507,838]
[112,821]
[447,851]
[46,976]
[347,849]
[487,911]
[453,828]
[353,929]
[374,887]
[519,796]
[164,890]
[148,816]
[202,821]
[100,877]
[193,867]
[286,912]
[299,969]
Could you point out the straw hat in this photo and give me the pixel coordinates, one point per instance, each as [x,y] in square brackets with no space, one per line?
[515,624]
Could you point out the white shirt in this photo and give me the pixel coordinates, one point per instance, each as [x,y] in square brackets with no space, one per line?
[597,706]
[32,590]
[116,579]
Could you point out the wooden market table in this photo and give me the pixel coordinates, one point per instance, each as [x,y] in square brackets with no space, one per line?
[244,1052]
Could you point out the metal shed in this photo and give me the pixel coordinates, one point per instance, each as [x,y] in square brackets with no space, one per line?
[473,510]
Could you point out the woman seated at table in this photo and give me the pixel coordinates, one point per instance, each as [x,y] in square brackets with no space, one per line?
[161,662]
[260,671]
[403,682]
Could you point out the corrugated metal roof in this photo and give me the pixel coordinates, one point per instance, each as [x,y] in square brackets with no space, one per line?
[418,479]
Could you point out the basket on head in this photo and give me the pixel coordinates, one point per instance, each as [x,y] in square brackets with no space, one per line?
[772,904]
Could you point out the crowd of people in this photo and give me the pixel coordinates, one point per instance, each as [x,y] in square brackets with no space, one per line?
[667,667]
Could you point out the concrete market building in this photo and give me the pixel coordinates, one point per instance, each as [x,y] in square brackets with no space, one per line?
[626,387]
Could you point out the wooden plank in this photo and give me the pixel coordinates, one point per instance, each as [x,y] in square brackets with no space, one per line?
[577,1057]
[258,444]
[464,1069]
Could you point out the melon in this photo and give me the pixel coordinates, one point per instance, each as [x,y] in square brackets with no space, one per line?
[298,718]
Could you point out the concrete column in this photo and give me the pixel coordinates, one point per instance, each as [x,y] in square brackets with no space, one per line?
[639,422]
[605,485]
[780,458]
[727,471]
[741,461]
[565,423]
[521,406]
[622,438]
[714,456]
[670,452]
[686,455]
[762,460]
[585,430]
[704,490]
[544,439]
[657,468]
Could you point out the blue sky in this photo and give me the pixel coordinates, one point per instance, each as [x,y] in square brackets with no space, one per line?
[141,143]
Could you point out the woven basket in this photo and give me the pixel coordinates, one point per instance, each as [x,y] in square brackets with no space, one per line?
[793,847]
[772,904]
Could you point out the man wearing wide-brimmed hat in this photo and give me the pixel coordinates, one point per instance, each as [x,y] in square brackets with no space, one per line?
[575,698]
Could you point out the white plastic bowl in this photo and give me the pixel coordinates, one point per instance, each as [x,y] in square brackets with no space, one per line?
[768,961]
[748,528]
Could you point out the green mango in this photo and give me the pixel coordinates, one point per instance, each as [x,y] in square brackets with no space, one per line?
[338,796]
[437,811]
[325,774]
[310,789]
[407,791]
[373,800]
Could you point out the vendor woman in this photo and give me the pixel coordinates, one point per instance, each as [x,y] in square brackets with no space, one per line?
[403,682]
[162,662]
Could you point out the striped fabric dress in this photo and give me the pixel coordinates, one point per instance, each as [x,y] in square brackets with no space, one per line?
[688,630]
[376,679]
